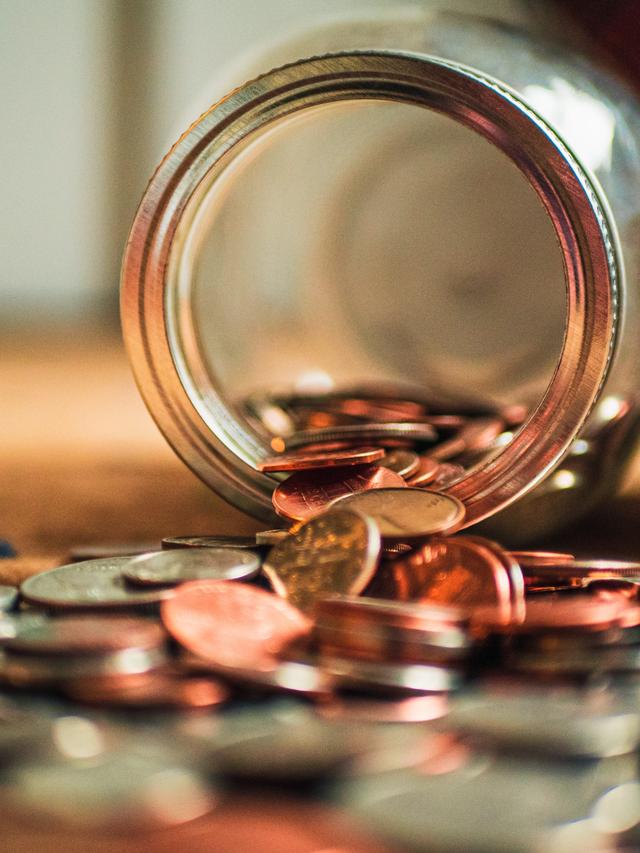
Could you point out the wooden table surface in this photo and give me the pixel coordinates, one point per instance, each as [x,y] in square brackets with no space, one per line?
[81,460]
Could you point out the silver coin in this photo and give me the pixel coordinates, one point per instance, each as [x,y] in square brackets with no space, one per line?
[406,515]
[92,584]
[20,670]
[362,433]
[209,542]
[180,565]
[390,678]
[483,805]
[282,741]
[136,786]
[8,598]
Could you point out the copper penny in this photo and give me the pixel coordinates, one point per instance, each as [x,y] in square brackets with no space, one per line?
[359,613]
[305,494]
[77,635]
[325,459]
[403,462]
[463,573]
[573,613]
[426,471]
[379,410]
[156,690]
[407,515]
[514,571]
[377,636]
[333,553]
[231,623]
[474,436]
[613,588]
[445,422]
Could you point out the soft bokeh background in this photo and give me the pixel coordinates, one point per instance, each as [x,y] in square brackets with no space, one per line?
[92,93]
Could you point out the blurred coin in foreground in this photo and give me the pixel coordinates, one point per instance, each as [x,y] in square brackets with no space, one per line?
[8,598]
[156,690]
[570,724]
[76,635]
[391,678]
[138,785]
[301,461]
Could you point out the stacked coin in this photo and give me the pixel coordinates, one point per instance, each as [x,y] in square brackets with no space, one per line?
[390,647]
[54,652]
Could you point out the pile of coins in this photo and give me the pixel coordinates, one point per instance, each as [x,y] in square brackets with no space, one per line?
[334,446]
[447,693]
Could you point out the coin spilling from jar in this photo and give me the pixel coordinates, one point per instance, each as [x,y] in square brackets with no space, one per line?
[421,678]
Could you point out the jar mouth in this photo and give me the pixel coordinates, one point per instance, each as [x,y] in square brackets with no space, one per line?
[203,427]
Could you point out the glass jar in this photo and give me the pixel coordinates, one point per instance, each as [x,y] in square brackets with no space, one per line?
[432,201]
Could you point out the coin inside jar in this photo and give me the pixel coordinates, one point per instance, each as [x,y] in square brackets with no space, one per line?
[308,493]
[333,553]
[360,433]
[407,515]
[302,461]
[180,565]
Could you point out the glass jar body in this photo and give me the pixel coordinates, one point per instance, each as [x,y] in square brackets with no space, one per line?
[359,236]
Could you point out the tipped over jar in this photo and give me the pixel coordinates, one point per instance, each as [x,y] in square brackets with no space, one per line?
[420,216]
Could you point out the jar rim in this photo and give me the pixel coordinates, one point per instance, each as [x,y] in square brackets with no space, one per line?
[198,422]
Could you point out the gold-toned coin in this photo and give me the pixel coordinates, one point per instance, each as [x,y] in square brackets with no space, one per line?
[407,515]
[336,552]
[270,537]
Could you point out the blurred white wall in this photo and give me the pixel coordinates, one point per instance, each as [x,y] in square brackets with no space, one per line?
[92,92]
